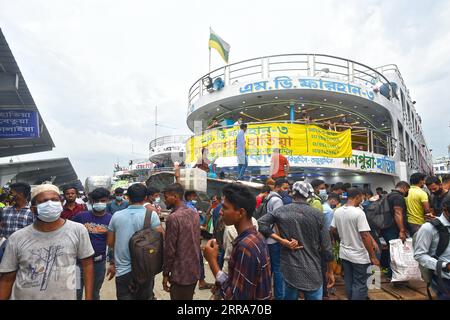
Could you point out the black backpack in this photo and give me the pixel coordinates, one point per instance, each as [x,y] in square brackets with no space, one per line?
[378,212]
[262,209]
[444,240]
[146,252]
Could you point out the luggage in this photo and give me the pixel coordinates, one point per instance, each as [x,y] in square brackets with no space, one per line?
[404,266]
[193,179]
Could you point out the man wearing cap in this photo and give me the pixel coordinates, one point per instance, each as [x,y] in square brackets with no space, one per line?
[305,239]
[40,259]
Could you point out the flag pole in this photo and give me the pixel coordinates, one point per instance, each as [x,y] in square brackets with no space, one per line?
[209,60]
[209,47]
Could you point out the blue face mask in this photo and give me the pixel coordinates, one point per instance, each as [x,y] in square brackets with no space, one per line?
[119,198]
[323,194]
[99,207]
[157,201]
[49,211]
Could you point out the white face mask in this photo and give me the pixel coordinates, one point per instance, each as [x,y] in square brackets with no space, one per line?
[49,211]
[157,200]
[194,202]
[99,206]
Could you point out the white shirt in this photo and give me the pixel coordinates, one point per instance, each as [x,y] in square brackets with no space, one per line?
[273,204]
[350,221]
[425,245]
[229,235]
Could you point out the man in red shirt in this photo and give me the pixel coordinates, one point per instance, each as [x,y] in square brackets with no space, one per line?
[279,166]
[71,207]
[262,195]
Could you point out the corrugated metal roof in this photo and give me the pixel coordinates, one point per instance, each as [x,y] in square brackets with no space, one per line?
[19,99]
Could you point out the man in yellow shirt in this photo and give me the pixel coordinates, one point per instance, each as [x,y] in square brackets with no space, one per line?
[417,204]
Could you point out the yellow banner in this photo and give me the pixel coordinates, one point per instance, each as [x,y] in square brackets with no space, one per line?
[261,139]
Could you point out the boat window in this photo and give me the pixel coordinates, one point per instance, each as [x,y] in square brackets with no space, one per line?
[402,100]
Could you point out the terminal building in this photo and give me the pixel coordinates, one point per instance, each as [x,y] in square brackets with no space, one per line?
[23,131]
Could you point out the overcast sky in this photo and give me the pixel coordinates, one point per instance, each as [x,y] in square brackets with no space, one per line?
[97,69]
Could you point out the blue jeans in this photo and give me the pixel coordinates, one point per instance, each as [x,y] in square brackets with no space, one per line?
[278,279]
[389,234]
[435,287]
[99,277]
[242,166]
[355,279]
[291,293]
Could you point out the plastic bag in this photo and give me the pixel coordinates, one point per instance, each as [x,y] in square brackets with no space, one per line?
[404,266]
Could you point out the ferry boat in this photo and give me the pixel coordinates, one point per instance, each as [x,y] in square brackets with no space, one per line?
[285,98]
[168,149]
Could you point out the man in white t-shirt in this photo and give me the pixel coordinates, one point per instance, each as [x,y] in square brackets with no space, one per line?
[357,247]
[40,260]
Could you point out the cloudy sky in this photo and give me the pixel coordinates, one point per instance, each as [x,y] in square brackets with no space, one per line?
[97,69]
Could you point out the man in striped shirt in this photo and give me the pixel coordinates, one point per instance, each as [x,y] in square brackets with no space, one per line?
[249,276]
[18,215]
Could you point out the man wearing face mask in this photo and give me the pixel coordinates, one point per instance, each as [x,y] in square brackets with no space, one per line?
[396,222]
[40,260]
[190,198]
[432,251]
[438,194]
[18,215]
[329,207]
[417,203]
[124,224]
[96,223]
[318,200]
[119,203]
[319,196]
[153,200]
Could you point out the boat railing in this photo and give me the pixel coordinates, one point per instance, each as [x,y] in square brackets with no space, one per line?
[161,141]
[162,169]
[394,68]
[302,65]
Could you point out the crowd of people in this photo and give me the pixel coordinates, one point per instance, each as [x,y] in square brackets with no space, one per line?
[275,245]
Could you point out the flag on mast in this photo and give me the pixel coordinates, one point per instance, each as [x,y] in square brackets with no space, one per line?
[219,44]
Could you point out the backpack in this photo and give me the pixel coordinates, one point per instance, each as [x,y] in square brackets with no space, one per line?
[146,252]
[444,240]
[378,212]
[262,209]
